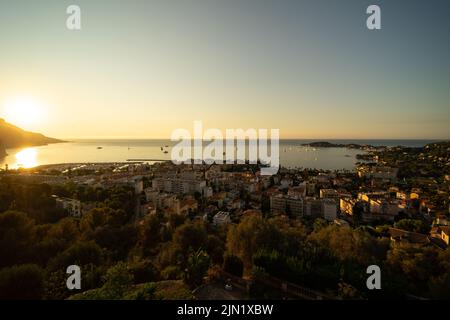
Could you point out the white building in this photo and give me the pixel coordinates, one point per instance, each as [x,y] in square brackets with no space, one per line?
[72,206]
[207,192]
[329,194]
[221,218]
[136,182]
[179,186]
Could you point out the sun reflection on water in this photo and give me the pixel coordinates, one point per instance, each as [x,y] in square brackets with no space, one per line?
[27,158]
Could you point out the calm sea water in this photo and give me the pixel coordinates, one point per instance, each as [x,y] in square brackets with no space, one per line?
[292,153]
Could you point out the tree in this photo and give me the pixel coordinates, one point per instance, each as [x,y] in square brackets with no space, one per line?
[349,244]
[215,248]
[233,265]
[117,240]
[176,220]
[66,230]
[16,237]
[143,271]
[413,225]
[80,253]
[320,223]
[118,280]
[150,232]
[118,284]
[93,219]
[145,292]
[417,263]
[190,235]
[197,265]
[251,234]
[23,282]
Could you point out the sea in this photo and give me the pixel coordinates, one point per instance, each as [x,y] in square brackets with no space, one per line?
[292,152]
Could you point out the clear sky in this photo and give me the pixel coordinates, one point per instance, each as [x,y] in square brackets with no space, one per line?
[140,69]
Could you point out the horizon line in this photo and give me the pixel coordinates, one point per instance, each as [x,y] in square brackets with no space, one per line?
[316,139]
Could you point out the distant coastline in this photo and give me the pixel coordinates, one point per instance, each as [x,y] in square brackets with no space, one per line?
[334,143]
[326,144]
[307,153]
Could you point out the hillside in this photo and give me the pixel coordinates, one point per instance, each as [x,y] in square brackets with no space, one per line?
[2,151]
[14,137]
[162,290]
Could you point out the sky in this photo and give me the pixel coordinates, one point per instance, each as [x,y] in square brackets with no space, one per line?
[141,69]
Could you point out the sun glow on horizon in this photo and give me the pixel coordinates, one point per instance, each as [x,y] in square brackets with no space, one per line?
[24,111]
[27,158]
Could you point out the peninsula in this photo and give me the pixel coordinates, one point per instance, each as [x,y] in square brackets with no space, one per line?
[15,137]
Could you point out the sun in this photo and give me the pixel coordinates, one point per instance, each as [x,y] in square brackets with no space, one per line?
[24,111]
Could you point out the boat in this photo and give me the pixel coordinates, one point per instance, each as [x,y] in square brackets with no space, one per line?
[99,148]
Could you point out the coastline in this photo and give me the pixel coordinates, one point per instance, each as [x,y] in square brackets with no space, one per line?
[329,155]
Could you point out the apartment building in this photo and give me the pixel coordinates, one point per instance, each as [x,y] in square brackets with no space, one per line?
[281,203]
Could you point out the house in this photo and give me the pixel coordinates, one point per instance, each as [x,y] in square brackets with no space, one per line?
[298,191]
[439,235]
[207,192]
[383,206]
[441,221]
[377,172]
[445,234]
[402,195]
[221,218]
[71,206]
[328,194]
[346,206]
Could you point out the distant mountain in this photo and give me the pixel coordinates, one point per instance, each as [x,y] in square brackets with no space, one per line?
[14,137]
[326,144]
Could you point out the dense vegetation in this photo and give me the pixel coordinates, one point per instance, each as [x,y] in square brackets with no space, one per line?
[122,258]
